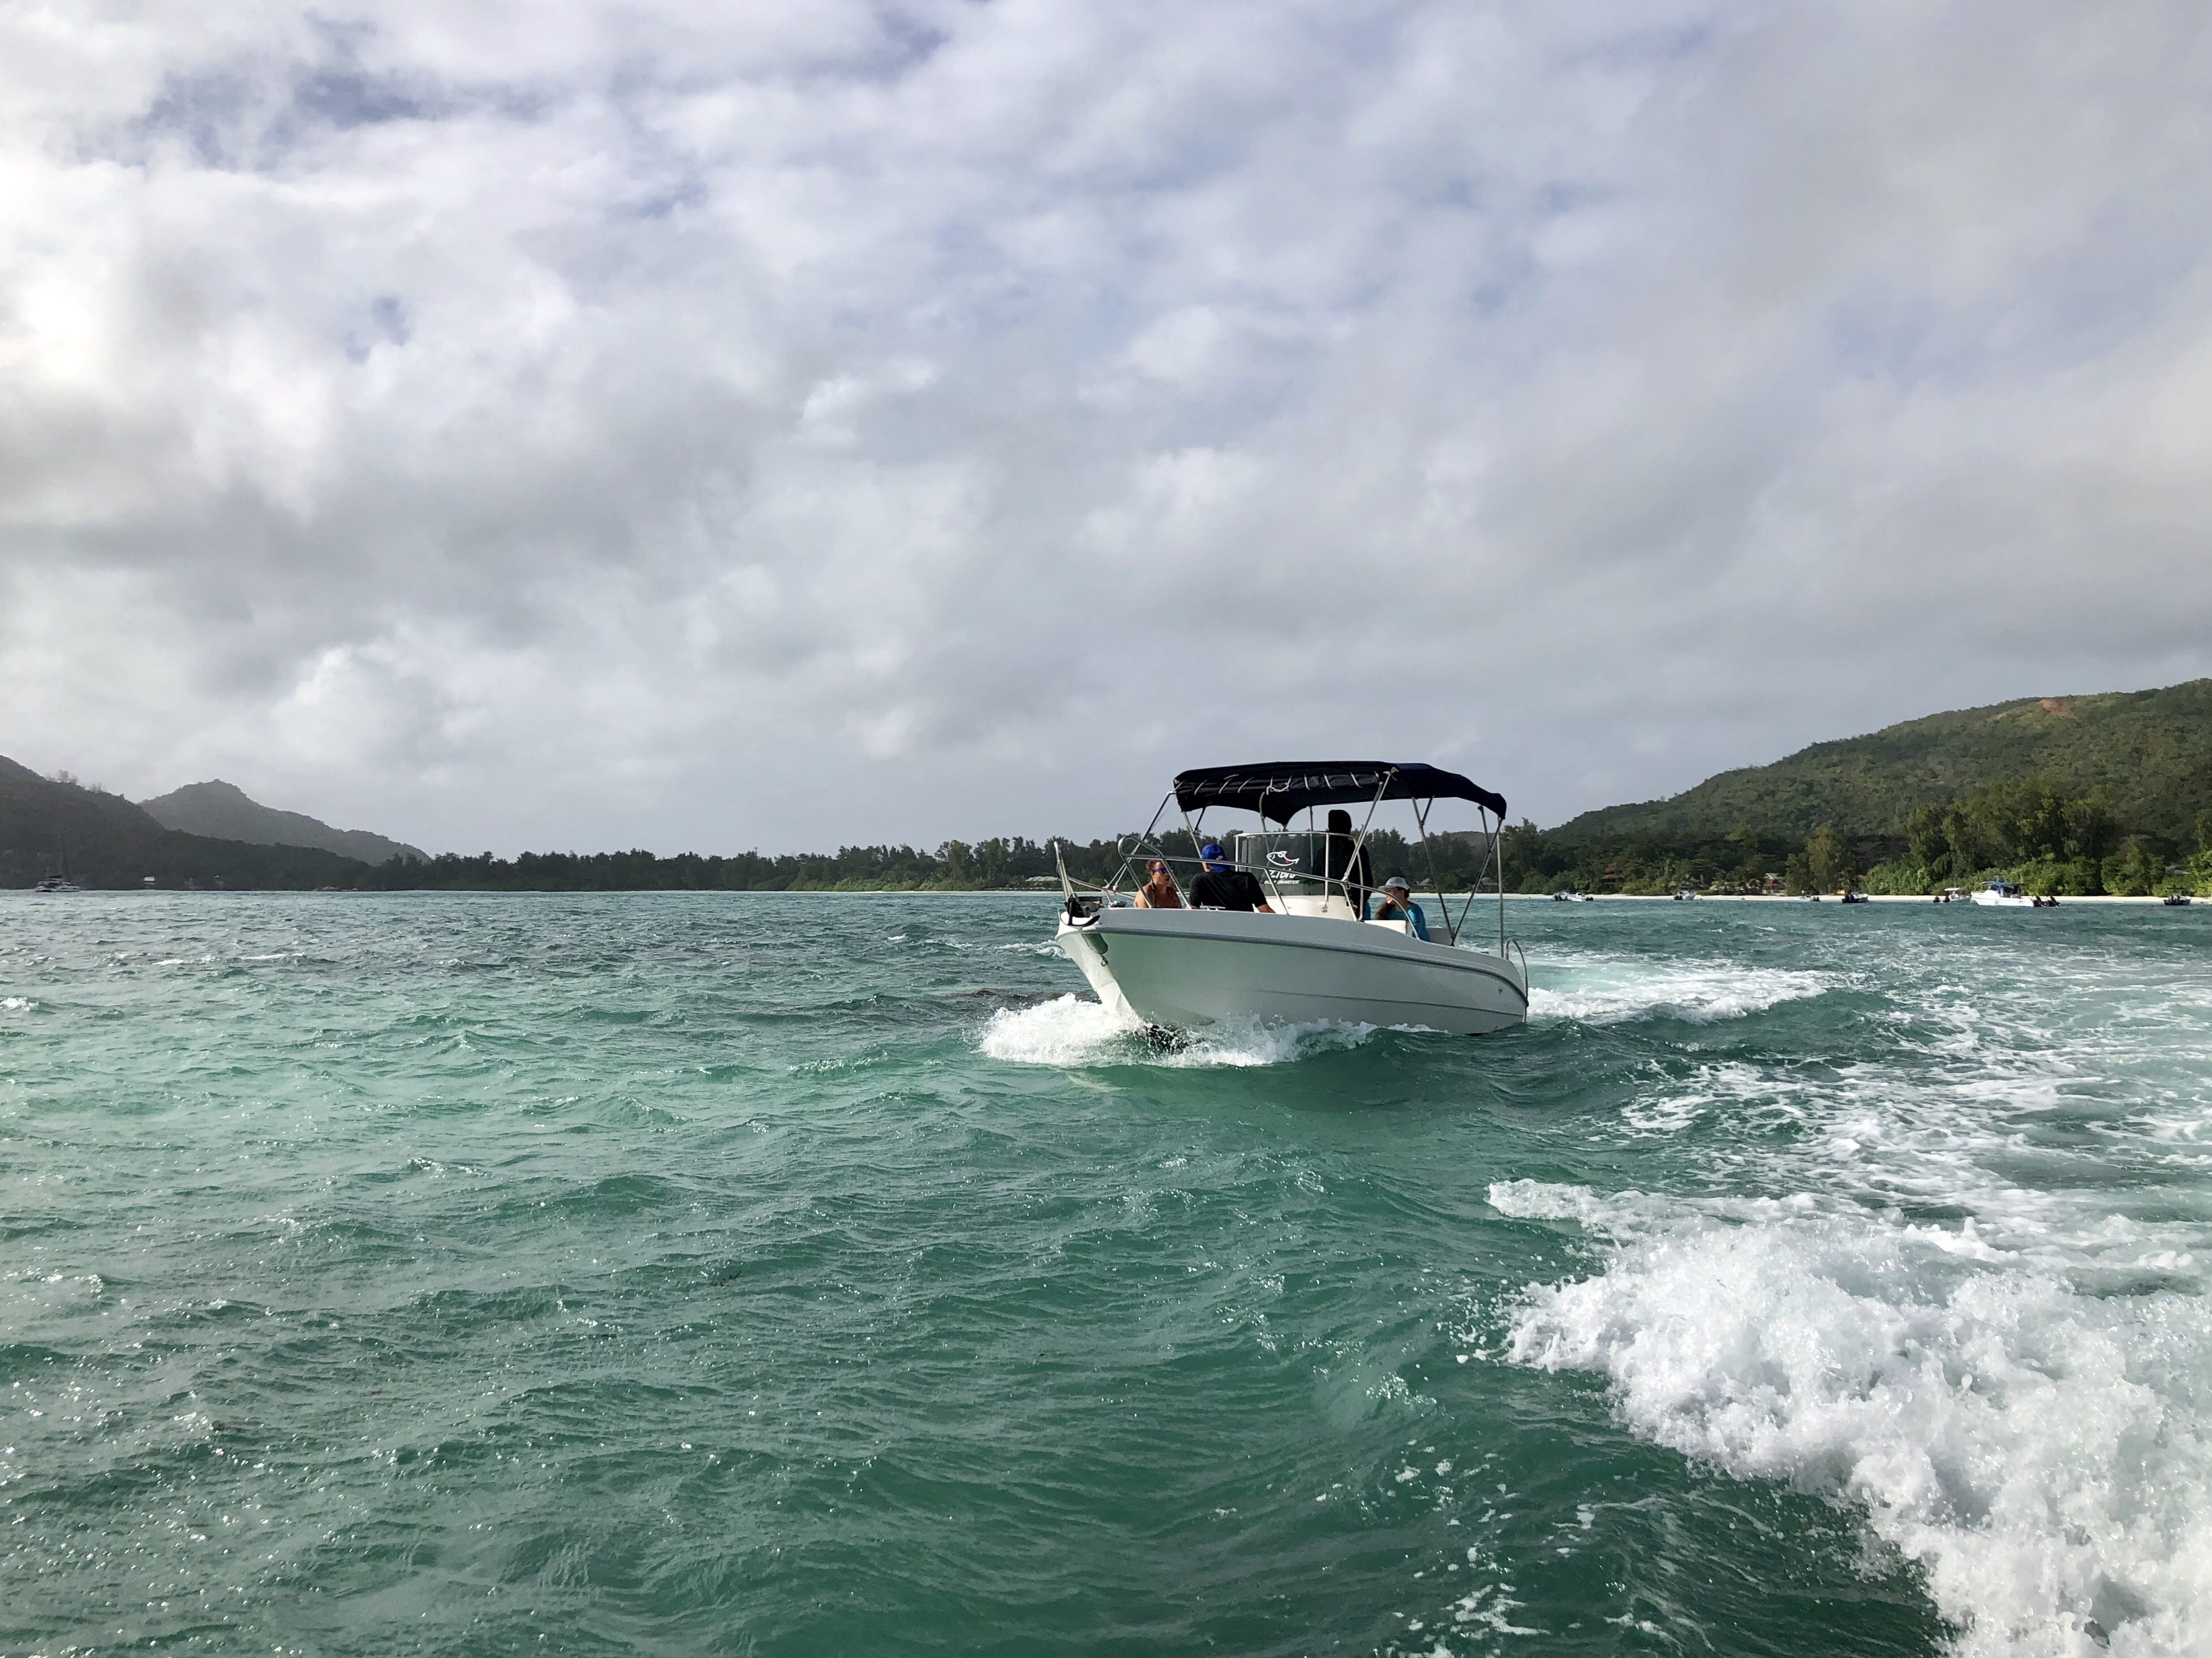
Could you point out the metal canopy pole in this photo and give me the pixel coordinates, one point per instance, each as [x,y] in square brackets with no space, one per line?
[1359,845]
[1197,852]
[1421,810]
[1490,852]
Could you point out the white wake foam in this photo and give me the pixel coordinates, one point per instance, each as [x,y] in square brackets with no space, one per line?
[1071,1032]
[2046,1454]
[1067,1031]
[1248,1042]
[1608,993]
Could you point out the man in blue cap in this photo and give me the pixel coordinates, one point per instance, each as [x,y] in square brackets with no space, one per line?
[1221,887]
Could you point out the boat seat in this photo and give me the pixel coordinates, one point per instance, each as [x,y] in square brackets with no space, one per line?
[1395,926]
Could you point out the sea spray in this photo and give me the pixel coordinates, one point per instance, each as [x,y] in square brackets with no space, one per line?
[2045,1454]
[1076,1031]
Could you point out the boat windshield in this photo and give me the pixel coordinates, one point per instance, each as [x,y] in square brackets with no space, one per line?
[1296,863]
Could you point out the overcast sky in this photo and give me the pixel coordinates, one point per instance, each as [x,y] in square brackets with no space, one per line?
[717,425]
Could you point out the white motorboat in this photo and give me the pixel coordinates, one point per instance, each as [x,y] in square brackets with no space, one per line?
[58,884]
[2006,895]
[1316,957]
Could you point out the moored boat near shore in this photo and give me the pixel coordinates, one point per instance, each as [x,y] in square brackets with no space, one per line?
[2009,895]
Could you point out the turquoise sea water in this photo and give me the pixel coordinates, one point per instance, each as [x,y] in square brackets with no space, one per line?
[798,1275]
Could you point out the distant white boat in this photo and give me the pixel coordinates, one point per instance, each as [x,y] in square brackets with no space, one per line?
[1316,957]
[2007,894]
[58,884]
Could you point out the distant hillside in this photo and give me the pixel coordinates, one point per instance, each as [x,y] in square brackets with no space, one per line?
[2150,752]
[225,811]
[97,839]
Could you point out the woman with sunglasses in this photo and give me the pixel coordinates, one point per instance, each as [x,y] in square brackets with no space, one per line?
[1159,891]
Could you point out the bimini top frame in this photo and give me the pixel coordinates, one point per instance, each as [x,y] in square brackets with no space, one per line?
[1278,790]
[1281,788]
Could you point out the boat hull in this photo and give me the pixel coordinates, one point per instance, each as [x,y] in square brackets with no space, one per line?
[1186,968]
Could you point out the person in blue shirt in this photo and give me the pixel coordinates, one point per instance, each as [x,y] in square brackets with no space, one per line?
[1394,902]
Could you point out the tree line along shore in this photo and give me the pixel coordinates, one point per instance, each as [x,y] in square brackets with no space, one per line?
[57,826]
[2083,796]
[2052,844]
[2025,832]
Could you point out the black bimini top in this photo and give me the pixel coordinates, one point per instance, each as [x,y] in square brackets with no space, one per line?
[1282,788]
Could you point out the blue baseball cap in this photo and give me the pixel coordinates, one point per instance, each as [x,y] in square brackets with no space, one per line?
[1211,852]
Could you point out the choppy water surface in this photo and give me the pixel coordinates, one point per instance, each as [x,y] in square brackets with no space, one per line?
[755,1274]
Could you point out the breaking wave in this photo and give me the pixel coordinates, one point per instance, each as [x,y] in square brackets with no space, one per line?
[2046,1454]
[1074,1032]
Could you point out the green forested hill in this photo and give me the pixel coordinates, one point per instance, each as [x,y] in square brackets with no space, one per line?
[97,839]
[2149,752]
[222,811]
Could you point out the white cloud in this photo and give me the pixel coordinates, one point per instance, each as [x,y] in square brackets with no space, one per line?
[580,424]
